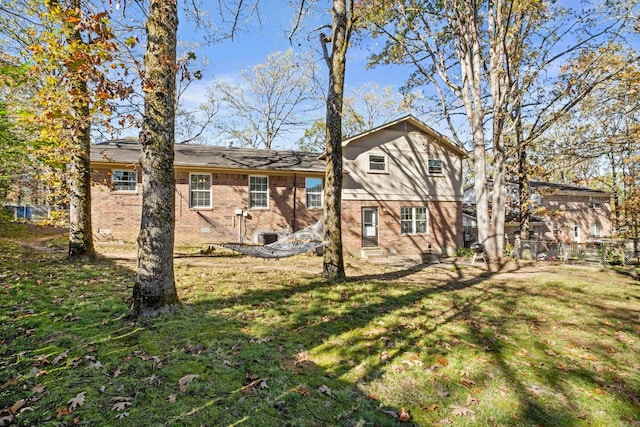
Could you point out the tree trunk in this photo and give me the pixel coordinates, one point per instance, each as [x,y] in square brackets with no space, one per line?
[498,203]
[154,291]
[524,189]
[500,88]
[469,54]
[333,264]
[80,231]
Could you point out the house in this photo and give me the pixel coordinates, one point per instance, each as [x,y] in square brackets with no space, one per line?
[559,212]
[402,192]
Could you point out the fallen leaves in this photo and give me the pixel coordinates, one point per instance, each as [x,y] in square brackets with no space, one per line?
[185,381]
[59,358]
[77,401]
[589,357]
[467,382]
[464,409]
[121,403]
[302,390]
[61,412]
[402,415]
[10,382]
[324,389]
[13,409]
[442,361]
[461,411]
[7,415]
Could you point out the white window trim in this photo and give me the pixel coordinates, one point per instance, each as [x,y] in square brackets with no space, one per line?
[135,189]
[306,193]
[249,192]
[599,229]
[386,163]
[576,233]
[441,173]
[210,191]
[414,221]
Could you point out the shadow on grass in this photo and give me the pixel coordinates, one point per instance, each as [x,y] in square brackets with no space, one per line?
[338,321]
[265,347]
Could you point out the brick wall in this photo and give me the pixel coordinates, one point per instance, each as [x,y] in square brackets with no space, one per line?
[563,211]
[444,227]
[116,215]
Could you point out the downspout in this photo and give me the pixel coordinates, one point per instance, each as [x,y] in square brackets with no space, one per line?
[295,190]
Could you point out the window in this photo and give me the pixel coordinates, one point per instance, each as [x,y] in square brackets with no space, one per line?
[435,167]
[377,163]
[124,180]
[595,230]
[258,192]
[200,190]
[576,232]
[413,220]
[313,187]
[594,202]
[556,230]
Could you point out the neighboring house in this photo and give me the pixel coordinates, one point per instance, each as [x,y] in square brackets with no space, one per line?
[560,212]
[402,192]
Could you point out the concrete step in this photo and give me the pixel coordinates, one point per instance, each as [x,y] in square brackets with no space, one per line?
[370,253]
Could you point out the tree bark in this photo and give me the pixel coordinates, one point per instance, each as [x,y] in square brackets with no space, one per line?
[524,187]
[80,231]
[469,53]
[333,263]
[154,292]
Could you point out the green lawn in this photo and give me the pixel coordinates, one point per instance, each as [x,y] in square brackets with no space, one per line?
[270,343]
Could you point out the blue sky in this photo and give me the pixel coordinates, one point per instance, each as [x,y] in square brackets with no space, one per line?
[260,37]
[268,34]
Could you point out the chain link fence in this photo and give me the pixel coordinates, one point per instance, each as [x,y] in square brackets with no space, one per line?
[604,252]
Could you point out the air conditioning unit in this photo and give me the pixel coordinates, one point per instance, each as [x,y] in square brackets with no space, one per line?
[267,237]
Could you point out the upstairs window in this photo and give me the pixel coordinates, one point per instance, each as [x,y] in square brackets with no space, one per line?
[377,163]
[124,180]
[413,220]
[258,192]
[313,187]
[200,190]
[594,202]
[435,167]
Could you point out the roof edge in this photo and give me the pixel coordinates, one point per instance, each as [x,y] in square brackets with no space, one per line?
[409,118]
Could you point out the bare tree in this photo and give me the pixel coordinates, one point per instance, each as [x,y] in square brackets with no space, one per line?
[273,99]
[367,106]
[489,59]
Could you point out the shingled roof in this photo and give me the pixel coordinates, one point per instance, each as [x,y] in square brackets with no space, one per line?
[565,187]
[127,151]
